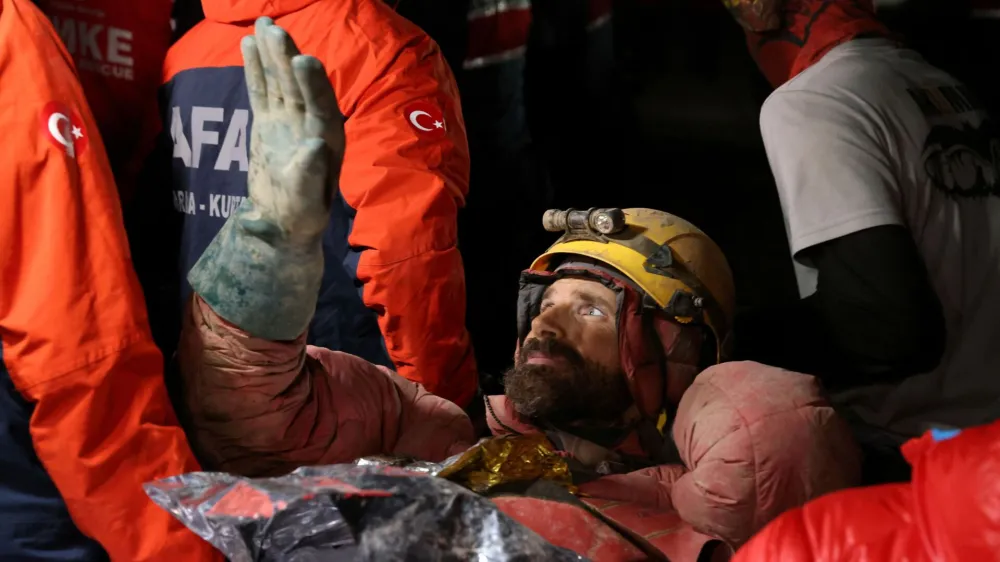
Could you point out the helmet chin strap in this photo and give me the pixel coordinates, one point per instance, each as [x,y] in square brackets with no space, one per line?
[657,441]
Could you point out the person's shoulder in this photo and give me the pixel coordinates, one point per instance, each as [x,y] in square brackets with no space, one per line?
[206,45]
[791,113]
[731,374]
[866,65]
[373,29]
[343,34]
[375,51]
[41,60]
[37,77]
[866,80]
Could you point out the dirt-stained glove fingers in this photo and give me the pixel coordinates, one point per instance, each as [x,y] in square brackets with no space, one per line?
[267,60]
[254,73]
[315,85]
[320,100]
[307,174]
[283,50]
[312,158]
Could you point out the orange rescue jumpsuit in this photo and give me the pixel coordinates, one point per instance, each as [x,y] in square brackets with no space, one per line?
[84,417]
[394,285]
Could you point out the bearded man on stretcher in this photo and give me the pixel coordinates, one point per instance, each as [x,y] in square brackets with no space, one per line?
[623,327]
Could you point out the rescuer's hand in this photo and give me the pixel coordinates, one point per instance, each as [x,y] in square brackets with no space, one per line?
[297,139]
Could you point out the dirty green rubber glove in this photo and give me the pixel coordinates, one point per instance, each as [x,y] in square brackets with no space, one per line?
[262,271]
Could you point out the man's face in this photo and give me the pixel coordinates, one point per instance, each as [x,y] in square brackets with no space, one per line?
[568,368]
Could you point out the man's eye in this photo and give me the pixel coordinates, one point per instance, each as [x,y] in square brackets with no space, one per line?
[594,311]
[544,306]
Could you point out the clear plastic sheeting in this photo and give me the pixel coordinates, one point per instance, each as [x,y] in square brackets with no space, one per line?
[369,511]
[412,465]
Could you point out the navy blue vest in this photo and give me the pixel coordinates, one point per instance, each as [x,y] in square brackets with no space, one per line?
[206,113]
[34,521]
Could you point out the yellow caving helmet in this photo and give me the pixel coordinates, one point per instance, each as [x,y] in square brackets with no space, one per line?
[676,264]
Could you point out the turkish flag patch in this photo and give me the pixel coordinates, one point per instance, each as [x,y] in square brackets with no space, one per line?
[426,119]
[64,128]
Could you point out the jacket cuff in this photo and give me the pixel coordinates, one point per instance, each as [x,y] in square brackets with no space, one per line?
[255,278]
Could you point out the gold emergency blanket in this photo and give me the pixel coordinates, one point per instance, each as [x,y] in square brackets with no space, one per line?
[516,458]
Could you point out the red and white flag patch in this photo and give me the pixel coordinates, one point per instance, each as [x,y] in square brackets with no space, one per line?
[64,128]
[426,119]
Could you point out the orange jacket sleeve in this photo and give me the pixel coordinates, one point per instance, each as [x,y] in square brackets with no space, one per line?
[74,331]
[406,172]
[948,511]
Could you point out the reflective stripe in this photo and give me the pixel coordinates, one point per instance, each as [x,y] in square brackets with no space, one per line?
[498,58]
[986,14]
[598,13]
[498,32]
[487,8]
[498,29]
[598,22]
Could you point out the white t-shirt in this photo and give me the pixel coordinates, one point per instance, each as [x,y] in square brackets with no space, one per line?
[872,135]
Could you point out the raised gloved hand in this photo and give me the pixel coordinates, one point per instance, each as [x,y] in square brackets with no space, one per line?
[263,269]
[297,140]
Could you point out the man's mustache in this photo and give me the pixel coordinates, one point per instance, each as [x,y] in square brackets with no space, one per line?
[551,348]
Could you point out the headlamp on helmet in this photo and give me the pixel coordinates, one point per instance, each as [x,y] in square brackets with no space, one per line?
[667,274]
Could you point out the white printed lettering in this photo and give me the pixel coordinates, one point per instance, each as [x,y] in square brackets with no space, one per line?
[106,69]
[88,40]
[95,48]
[234,203]
[182,149]
[199,136]
[184,202]
[234,145]
[119,45]
[224,205]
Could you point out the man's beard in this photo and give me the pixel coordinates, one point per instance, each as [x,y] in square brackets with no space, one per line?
[573,390]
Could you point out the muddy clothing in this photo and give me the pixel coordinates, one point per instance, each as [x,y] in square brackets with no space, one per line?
[752,440]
